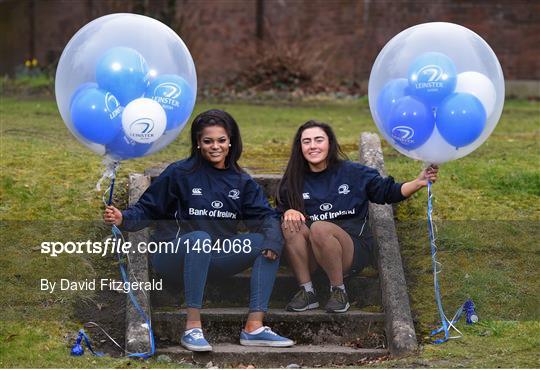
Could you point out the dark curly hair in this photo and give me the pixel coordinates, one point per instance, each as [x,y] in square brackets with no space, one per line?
[216,117]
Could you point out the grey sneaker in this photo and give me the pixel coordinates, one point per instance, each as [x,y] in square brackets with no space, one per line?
[303,301]
[338,301]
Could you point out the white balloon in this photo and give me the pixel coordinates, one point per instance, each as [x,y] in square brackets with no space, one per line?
[479,85]
[144,120]
[435,151]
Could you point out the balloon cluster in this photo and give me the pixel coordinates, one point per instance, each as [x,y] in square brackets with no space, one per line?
[125,85]
[127,109]
[433,94]
[429,99]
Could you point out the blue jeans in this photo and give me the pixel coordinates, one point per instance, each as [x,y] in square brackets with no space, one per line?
[196,265]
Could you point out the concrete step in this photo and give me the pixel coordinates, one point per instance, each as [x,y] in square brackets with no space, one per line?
[233,355]
[223,325]
[234,291]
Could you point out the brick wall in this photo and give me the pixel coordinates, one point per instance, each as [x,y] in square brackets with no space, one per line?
[344,36]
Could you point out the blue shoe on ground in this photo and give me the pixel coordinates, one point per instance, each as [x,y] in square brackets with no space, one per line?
[264,337]
[193,339]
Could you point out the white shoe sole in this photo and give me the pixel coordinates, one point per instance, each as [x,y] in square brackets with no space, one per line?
[266,343]
[311,306]
[340,311]
[196,348]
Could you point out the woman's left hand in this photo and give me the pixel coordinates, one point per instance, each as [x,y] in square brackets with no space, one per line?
[428,174]
[270,254]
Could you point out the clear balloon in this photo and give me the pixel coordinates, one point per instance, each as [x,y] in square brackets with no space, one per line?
[461,118]
[124,54]
[410,123]
[463,63]
[96,115]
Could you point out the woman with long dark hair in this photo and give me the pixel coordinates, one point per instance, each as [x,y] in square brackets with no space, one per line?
[324,199]
[207,195]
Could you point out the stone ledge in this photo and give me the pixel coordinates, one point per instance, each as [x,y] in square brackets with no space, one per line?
[226,354]
[399,325]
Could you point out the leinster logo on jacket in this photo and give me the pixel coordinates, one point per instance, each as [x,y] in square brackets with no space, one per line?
[234,194]
[343,189]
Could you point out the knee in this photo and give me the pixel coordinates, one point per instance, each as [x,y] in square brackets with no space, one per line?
[291,236]
[317,233]
[294,240]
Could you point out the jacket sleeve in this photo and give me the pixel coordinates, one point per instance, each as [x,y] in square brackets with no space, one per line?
[156,203]
[382,190]
[259,217]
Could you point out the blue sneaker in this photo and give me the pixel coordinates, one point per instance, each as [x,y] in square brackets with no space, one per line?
[265,338]
[193,340]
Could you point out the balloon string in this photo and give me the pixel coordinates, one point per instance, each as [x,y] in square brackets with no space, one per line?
[117,235]
[111,166]
[437,268]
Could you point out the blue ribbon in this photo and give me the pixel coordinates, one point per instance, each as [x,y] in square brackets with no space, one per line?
[118,234]
[468,306]
[78,350]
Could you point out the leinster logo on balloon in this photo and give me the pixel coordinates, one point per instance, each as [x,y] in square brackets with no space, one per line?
[170,92]
[403,134]
[432,76]
[173,93]
[113,105]
[142,128]
[144,121]
[410,123]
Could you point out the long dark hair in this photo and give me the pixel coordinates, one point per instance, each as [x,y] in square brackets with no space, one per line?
[292,182]
[216,117]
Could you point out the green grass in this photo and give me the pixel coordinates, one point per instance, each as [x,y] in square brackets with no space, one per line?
[486,208]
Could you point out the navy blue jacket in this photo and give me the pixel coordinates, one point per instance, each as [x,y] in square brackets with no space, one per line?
[207,199]
[340,194]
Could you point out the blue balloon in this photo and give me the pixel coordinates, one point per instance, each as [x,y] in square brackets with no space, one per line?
[410,123]
[81,87]
[124,72]
[96,115]
[123,147]
[432,77]
[176,97]
[389,95]
[461,118]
